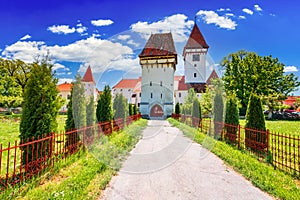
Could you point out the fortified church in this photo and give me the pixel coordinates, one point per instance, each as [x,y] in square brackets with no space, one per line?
[157,91]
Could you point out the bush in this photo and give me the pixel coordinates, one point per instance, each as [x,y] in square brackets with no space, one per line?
[177,108]
[232,118]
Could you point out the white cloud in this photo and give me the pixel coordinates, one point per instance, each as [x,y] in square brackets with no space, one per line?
[25,37]
[178,24]
[102,22]
[80,28]
[272,15]
[230,14]
[242,17]
[257,8]
[248,11]
[290,69]
[211,17]
[64,80]
[223,9]
[123,37]
[25,50]
[61,29]
[57,66]
[133,43]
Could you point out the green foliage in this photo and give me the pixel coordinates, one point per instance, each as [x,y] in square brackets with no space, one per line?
[40,106]
[104,107]
[196,109]
[206,101]
[130,109]
[119,106]
[297,103]
[90,112]
[177,108]
[70,124]
[218,109]
[248,72]
[188,102]
[135,110]
[78,103]
[232,111]
[255,116]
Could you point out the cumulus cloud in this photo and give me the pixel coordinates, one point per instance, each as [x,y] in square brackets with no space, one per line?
[57,66]
[257,8]
[242,17]
[211,17]
[26,37]
[80,28]
[61,29]
[230,14]
[102,22]
[248,11]
[123,37]
[290,69]
[223,9]
[178,24]
[64,80]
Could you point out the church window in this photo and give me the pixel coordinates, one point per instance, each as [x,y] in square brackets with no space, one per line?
[161,96]
[151,95]
[150,83]
[160,83]
[179,94]
[195,65]
[196,57]
[140,94]
[195,75]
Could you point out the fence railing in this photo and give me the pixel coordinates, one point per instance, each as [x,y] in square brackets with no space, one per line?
[22,160]
[280,150]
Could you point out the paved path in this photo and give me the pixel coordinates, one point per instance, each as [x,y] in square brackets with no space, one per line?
[167,165]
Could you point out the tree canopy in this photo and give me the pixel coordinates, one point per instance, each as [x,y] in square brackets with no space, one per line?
[104,107]
[247,72]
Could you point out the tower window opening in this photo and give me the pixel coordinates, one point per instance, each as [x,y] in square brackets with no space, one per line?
[196,57]
[160,83]
[151,95]
[195,75]
[161,95]
[150,83]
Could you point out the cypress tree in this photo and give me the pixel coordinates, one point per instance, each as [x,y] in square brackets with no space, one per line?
[196,112]
[218,114]
[70,120]
[255,120]
[135,111]
[130,109]
[231,117]
[177,108]
[119,106]
[90,118]
[104,107]
[40,109]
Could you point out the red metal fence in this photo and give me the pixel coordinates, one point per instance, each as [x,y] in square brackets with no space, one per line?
[280,150]
[21,161]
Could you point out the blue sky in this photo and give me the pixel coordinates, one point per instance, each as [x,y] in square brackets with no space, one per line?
[109,34]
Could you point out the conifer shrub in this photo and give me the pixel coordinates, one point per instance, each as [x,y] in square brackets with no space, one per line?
[231,119]
[218,109]
[177,108]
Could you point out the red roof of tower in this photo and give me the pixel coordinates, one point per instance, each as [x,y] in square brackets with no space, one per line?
[127,83]
[88,76]
[196,39]
[64,87]
[160,44]
[212,76]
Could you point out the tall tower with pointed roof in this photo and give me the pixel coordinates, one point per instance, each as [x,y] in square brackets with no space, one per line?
[194,55]
[89,84]
[158,60]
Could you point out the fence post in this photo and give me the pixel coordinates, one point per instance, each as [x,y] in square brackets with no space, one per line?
[239,136]
[268,140]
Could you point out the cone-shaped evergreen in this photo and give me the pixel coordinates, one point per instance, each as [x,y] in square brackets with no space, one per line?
[218,114]
[119,106]
[231,119]
[135,110]
[177,108]
[40,108]
[78,104]
[70,120]
[90,112]
[130,109]
[104,107]
[196,113]
[255,116]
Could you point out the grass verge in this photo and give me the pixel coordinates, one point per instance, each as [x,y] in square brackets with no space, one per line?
[85,176]
[274,182]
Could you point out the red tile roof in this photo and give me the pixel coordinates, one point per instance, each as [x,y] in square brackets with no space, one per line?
[196,39]
[127,83]
[88,76]
[65,87]
[212,76]
[291,100]
[160,44]
[181,83]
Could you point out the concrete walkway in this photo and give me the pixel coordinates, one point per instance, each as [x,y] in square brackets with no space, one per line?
[167,165]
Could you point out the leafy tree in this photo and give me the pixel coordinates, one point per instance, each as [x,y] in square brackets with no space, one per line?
[231,118]
[119,106]
[40,108]
[177,108]
[130,109]
[247,72]
[104,108]
[255,120]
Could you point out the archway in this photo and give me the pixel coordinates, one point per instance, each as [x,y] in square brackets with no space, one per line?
[156,111]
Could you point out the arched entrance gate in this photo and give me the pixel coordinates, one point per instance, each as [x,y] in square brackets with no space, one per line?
[156,111]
